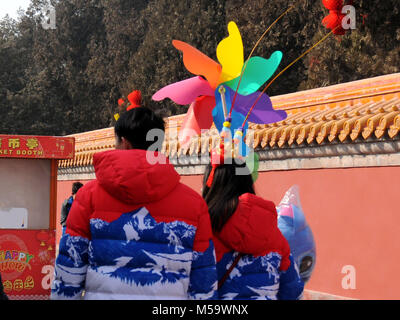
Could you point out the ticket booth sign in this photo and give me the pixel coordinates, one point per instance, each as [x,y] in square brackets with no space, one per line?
[28,187]
[36,147]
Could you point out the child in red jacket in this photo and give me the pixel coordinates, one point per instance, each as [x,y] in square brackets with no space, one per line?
[136,232]
[253,257]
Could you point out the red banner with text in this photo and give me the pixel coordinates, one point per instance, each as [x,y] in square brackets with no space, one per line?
[36,147]
[27,263]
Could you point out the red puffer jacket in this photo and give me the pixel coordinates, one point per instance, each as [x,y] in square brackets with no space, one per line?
[136,232]
[266,270]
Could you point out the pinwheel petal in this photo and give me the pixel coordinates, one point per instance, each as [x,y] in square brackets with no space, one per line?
[199,117]
[258,71]
[185,92]
[198,63]
[230,54]
[263,112]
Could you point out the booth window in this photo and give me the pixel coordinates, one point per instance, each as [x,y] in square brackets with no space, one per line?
[24,193]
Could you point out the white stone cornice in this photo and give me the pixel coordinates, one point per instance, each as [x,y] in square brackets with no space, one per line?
[76,173]
[330,150]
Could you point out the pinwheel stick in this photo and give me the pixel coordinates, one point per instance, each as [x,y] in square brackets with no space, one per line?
[251,53]
[280,73]
[222,93]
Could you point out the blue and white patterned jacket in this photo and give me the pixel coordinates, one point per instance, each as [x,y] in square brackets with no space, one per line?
[136,232]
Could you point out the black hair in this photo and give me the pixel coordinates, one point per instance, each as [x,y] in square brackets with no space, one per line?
[228,185]
[76,186]
[134,125]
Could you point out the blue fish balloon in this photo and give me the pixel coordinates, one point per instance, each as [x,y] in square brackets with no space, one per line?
[294,227]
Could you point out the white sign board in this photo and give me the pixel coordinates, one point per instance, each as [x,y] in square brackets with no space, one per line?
[15,218]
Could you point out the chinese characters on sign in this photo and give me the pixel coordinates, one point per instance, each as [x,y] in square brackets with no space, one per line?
[14,147]
[13,143]
[36,147]
[18,285]
[32,143]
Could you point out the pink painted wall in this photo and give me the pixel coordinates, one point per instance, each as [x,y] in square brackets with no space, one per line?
[354,214]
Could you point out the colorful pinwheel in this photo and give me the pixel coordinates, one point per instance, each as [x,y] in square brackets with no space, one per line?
[215,82]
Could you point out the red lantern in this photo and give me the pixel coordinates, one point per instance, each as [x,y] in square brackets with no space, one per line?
[333,21]
[50,242]
[333,4]
[42,236]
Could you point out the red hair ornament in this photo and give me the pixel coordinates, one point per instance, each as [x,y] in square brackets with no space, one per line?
[135,98]
[217,159]
[121,102]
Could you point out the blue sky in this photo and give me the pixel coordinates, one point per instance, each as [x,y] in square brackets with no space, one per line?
[10,7]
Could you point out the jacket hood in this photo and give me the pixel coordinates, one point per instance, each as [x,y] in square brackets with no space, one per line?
[253,228]
[132,177]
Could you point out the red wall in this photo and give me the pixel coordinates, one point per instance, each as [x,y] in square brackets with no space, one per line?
[355,218]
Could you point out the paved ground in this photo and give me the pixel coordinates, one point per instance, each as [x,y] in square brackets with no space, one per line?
[316,295]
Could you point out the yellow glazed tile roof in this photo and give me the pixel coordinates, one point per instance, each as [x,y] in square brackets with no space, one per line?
[361,110]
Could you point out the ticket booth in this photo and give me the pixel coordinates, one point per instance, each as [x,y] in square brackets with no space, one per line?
[28,186]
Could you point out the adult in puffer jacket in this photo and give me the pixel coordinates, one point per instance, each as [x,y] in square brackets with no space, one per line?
[253,257]
[136,232]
